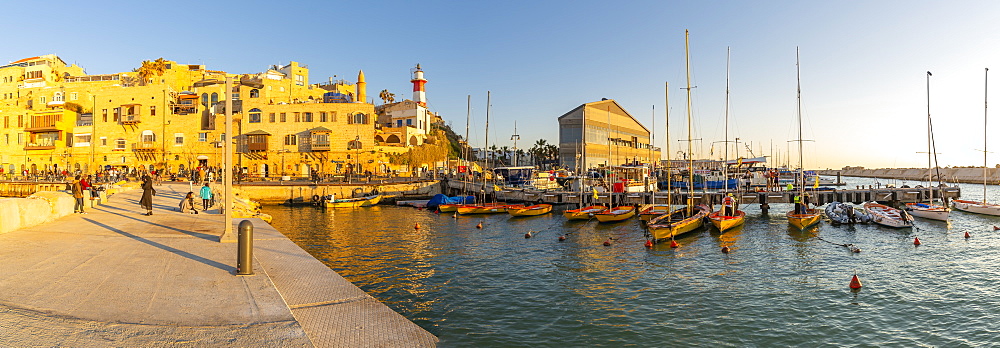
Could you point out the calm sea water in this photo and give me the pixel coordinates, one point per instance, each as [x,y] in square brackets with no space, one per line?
[777,287]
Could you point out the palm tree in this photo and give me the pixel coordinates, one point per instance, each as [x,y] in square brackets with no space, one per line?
[492,152]
[505,154]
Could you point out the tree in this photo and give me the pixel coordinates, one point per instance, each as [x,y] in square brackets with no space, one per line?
[387,97]
[505,155]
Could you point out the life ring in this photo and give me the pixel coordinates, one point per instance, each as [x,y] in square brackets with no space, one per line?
[375,191]
[357,192]
[316,198]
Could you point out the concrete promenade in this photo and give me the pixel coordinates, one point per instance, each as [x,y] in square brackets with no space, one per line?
[115,277]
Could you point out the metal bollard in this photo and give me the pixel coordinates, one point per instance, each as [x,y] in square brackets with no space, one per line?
[244,254]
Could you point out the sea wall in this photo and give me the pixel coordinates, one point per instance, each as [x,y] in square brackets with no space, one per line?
[963,175]
[41,207]
[303,192]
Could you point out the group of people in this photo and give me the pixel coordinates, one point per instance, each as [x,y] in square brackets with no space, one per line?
[78,186]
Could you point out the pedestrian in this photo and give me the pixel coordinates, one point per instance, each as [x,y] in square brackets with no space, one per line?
[77,190]
[206,197]
[147,194]
[187,204]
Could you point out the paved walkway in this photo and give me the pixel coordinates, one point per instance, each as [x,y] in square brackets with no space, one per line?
[115,277]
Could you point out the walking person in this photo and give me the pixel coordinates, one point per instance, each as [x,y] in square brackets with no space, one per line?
[77,190]
[147,195]
[206,197]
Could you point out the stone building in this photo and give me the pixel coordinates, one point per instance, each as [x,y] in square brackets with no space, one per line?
[167,115]
[602,133]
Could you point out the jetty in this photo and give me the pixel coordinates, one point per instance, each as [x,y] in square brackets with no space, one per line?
[116,277]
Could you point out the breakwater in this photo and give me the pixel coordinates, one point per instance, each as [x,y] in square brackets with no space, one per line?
[962,175]
[304,192]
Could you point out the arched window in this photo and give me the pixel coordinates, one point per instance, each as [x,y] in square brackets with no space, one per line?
[215,98]
[360,118]
[148,136]
[254,93]
[255,115]
[204,99]
[57,97]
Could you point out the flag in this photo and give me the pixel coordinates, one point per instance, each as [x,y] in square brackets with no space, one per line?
[816,184]
[595,194]
[739,161]
[496,188]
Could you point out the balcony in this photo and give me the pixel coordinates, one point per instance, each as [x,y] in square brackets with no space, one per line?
[144,146]
[129,119]
[44,123]
[257,146]
[320,146]
[39,147]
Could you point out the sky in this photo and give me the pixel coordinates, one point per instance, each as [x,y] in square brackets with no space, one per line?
[864,86]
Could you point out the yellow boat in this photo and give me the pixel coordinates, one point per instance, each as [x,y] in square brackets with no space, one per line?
[724,223]
[448,208]
[366,201]
[802,221]
[616,214]
[648,212]
[584,213]
[489,208]
[537,209]
[677,222]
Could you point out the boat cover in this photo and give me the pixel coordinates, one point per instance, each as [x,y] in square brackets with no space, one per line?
[440,199]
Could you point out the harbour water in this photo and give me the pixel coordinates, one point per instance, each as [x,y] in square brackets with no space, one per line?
[777,287]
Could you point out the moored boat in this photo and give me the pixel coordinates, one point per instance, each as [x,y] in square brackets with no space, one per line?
[677,222]
[803,219]
[488,208]
[649,211]
[843,213]
[928,211]
[331,202]
[725,222]
[888,216]
[976,207]
[616,214]
[534,210]
[584,213]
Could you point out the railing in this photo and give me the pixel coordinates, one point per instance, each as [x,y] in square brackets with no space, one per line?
[144,146]
[320,146]
[88,78]
[129,119]
[257,146]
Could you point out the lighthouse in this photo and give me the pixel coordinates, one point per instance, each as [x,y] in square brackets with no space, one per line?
[418,80]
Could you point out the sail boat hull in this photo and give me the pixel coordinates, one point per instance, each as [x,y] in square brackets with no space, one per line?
[976,207]
[669,226]
[803,221]
[928,211]
[723,223]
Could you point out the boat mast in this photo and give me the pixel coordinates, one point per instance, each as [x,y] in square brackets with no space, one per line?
[798,97]
[725,162]
[465,151]
[607,177]
[515,137]
[652,165]
[487,146]
[666,129]
[985,102]
[687,59]
[930,176]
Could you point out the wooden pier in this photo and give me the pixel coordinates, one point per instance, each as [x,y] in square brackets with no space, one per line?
[892,196]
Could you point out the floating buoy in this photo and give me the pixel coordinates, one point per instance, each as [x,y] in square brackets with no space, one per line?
[480,225]
[996,228]
[527,235]
[607,242]
[855,282]
[673,244]
[649,243]
[967,235]
[455,215]
[916,241]
[437,212]
[562,238]
[420,208]
[725,250]
[416,226]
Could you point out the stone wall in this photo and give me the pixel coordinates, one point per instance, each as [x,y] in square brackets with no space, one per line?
[39,208]
[284,193]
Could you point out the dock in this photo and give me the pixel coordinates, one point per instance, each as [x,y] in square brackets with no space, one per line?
[116,277]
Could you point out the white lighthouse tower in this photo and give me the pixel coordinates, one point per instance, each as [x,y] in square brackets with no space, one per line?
[419,95]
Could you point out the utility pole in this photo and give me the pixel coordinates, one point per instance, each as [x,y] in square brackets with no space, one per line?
[227,171]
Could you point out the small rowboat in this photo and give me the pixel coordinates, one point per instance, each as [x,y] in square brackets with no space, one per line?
[366,201]
[928,211]
[648,212]
[448,208]
[888,216]
[616,214]
[677,222]
[584,213]
[976,207]
[803,221]
[488,208]
[723,222]
[537,209]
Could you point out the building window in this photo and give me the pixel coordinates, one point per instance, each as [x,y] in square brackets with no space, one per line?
[120,144]
[57,97]
[203,137]
[152,111]
[73,96]
[104,142]
[33,75]
[117,113]
[41,100]
[298,117]
[254,93]
[20,138]
[204,99]
[255,115]
[290,139]
[399,123]
[104,114]
[178,139]
[270,117]
[300,80]
[20,121]
[148,136]
[322,117]
[308,117]
[283,119]
[236,96]
[409,122]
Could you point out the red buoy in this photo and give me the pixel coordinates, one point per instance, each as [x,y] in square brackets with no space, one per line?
[527,235]
[480,225]
[607,242]
[673,244]
[420,208]
[855,282]
[562,238]
[996,228]
[967,235]
[416,226]
[725,249]
[649,243]
[916,241]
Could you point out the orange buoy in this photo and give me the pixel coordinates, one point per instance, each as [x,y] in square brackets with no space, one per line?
[649,243]
[673,244]
[527,235]
[725,249]
[416,226]
[607,242]
[455,215]
[855,282]
[916,241]
[562,238]
[967,235]
[480,225]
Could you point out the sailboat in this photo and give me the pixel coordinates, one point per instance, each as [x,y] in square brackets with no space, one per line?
[453,207]
[802,216]
[652,210]
[722,219]
[484,208]
[980,207]
[619,213]
[929,210]
[689,218]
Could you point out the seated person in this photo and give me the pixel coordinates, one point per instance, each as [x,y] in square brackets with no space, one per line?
[187,204]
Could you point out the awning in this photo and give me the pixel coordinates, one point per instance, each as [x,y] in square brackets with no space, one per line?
[202,157]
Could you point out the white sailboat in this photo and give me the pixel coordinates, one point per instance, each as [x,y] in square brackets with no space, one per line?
[980,207]
[929,210]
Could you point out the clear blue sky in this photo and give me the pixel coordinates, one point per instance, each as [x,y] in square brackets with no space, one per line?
[863,62]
